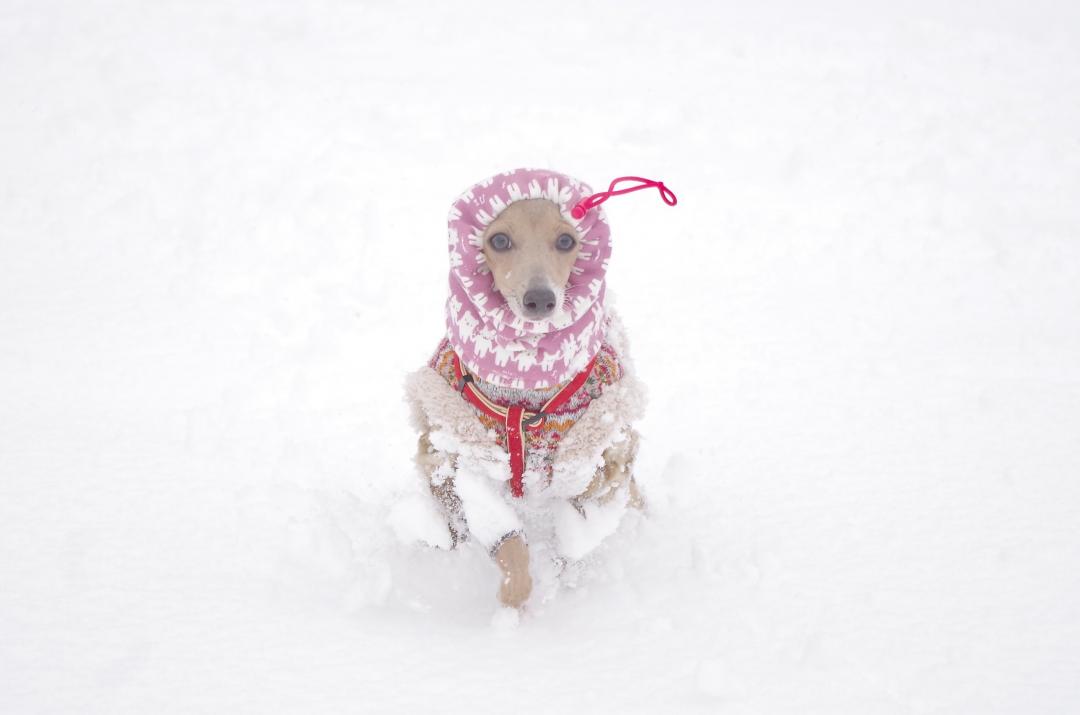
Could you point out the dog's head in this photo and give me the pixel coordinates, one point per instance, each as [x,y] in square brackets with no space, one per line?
[530,250]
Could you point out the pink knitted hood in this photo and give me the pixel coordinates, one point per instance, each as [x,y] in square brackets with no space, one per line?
[492,341]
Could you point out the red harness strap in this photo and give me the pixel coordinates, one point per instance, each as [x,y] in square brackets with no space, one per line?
[515,445]
[516,417]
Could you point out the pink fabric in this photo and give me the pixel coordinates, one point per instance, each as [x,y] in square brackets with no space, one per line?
[493,342]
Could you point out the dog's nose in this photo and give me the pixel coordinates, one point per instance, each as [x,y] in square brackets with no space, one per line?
[539,302]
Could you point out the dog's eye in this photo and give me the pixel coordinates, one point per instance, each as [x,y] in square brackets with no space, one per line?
[500,242]
[565,242]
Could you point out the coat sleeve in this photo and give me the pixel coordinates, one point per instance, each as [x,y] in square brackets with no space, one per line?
[606,424]
[480,466]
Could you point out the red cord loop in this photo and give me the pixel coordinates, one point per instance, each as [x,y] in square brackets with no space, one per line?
[582,207]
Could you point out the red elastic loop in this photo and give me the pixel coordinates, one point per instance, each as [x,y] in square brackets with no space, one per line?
[582,207]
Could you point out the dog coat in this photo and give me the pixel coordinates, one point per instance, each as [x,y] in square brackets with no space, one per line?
[532,403]
[526,421]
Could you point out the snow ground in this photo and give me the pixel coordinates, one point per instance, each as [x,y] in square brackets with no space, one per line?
[221,248]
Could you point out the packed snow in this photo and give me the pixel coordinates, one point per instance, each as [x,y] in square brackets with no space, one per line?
[222,248]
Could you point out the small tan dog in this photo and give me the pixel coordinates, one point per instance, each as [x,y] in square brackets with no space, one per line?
[525,410]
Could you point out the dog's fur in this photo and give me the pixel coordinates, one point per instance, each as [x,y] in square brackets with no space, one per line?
[594,462]
[533,262]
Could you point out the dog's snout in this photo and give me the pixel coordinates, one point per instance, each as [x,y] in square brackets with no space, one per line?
[539,302]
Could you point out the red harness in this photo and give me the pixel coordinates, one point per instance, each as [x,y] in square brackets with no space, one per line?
[516,418]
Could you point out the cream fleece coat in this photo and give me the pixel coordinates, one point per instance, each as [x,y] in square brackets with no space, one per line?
[464,451]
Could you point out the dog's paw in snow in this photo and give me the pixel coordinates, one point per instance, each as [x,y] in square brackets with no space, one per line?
[512,556]
[505,620]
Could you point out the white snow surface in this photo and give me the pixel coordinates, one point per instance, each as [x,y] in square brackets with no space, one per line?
[222,247]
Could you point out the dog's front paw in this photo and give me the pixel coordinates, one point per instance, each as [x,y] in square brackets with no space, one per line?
[515,590]
[512,556]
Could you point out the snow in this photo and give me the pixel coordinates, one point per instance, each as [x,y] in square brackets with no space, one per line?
[578,537]
[222,247]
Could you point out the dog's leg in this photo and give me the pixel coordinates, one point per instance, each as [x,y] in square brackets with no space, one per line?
[495,523]
[617,471]
[512,556]
[469,499]
[437,469]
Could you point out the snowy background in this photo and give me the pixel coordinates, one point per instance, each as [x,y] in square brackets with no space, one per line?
[222,248]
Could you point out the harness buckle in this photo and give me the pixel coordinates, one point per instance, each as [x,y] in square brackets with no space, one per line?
[465,380]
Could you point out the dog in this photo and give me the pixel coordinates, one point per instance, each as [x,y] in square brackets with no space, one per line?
[526,409]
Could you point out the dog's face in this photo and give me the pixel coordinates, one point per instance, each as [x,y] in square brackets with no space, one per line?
[531,249]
